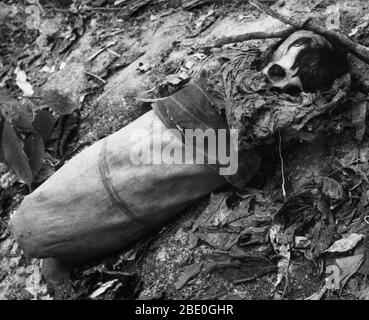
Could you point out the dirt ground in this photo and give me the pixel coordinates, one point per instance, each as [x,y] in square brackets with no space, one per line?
[156,48]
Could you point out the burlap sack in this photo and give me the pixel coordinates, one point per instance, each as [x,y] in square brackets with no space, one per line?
[100,201]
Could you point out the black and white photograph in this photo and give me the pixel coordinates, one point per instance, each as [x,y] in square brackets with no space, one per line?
[185,156]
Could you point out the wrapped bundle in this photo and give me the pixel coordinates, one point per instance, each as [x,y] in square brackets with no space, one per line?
[104,199]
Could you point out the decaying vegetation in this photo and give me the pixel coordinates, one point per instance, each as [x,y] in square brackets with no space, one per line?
[72,72]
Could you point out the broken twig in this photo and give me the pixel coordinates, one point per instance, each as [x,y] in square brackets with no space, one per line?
[351,46]
[282,165]
[113,52]
[149,99]
[100,51]
[96,77]
[251,36]
[114,33]
[275,15]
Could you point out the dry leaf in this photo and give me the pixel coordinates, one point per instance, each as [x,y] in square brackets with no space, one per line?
[14,155]
[22,83]
[345,244]
[241,269]
[19,115]
[35,150]
[348,267]
[188,273]
[105,286]
[358,119]
[44,123]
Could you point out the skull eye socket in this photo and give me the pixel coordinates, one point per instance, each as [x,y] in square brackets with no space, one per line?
[276,72]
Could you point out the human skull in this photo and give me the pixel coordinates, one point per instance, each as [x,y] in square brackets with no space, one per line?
[282,72]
